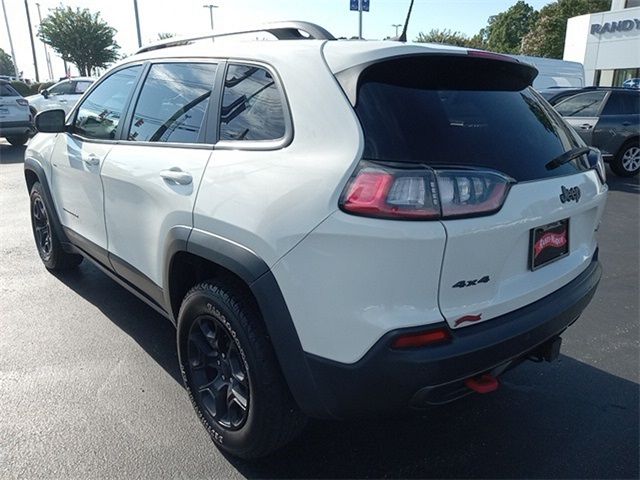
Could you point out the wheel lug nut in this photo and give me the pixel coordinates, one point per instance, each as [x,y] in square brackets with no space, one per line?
[223,377]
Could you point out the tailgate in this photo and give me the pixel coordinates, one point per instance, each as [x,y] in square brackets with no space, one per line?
[487,269]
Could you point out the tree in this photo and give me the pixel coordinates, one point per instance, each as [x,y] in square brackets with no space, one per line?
[506,30]
[80,37]
[546,38]
[6,64]
[444,36]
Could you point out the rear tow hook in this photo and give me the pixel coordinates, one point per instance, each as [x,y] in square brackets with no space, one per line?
[483,383]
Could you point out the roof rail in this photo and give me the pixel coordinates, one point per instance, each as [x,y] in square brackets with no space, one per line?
[291,30]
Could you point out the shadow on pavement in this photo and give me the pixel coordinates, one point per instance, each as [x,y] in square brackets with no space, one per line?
[10,154]
[622,184]
[154,333]
[565,419]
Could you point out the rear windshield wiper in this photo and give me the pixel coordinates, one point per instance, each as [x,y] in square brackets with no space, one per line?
[567,157]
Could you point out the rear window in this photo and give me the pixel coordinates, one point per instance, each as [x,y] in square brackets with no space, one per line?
[8,91]
[447,111]
[622,103]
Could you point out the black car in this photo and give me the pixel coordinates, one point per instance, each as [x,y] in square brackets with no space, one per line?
[607,118]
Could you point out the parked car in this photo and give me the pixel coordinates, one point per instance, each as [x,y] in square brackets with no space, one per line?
[63,95]
[607,118]
[336,228]
[553,95]
[16,123]
[554,73]
[631,83]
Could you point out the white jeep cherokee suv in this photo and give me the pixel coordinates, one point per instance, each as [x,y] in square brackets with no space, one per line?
[336,228]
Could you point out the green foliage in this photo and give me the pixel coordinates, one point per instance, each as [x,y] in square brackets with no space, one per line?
[546,38]
[80,37]
[506,30]
[30,89]
[446,37]
[6,64]
[22,88]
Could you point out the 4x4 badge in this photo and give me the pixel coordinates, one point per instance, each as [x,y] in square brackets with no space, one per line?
[570,194]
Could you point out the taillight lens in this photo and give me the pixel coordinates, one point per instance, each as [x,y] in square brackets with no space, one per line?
[423,193]
[22,102]
[596,162]
[377,191]
[468,192]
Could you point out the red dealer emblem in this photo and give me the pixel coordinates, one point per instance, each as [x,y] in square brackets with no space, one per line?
[550,239]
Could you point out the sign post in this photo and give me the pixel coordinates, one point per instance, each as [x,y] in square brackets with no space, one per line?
[359,6]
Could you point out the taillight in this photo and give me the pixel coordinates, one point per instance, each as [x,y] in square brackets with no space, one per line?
[423,193]
[22,102]
[596,162]
[468,192]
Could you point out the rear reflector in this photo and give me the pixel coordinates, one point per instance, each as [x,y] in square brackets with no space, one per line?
[421,339]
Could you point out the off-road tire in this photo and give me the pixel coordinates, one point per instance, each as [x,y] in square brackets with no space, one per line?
[272,418]
[51,252]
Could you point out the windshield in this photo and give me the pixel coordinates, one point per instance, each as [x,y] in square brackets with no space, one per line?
[424,111]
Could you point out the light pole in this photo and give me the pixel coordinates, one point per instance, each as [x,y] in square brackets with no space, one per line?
[46,50]
[33,45]
[396,26]
[135,9]
[13,53]
[210,7]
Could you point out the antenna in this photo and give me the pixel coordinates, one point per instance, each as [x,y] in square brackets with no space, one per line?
[403,35]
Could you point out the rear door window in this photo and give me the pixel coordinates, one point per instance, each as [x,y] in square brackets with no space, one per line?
[252,106]
[622,103]
[582,105]
[420,110]
[81,87]
[173,103]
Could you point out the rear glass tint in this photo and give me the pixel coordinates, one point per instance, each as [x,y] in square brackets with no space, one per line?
[444,111]
[8,91]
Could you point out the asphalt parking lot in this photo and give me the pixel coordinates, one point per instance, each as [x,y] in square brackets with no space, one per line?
[89,384]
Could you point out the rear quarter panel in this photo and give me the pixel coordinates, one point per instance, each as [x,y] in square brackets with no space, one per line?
[268,200]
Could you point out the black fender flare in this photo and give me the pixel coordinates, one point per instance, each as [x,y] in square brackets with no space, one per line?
[32,165]
[256,274]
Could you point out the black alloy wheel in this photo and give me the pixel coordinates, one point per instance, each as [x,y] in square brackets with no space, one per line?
[42,228]
[218,373]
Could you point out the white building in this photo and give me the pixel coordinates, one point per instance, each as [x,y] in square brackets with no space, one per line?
[606,43]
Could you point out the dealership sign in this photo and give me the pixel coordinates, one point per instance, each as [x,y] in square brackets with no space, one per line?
[612,27]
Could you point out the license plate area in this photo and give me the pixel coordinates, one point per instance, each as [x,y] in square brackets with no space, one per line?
[548,243]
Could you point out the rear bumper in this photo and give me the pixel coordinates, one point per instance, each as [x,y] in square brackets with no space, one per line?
[16,128]
[387,380]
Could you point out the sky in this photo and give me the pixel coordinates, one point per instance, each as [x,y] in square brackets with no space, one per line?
[184,17]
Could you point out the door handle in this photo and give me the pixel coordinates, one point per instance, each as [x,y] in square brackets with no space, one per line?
[586,126]
[176,175]
[626,124]
[92,160]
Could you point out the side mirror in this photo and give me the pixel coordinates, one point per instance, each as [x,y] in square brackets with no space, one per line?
[51,121]
[45,93]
